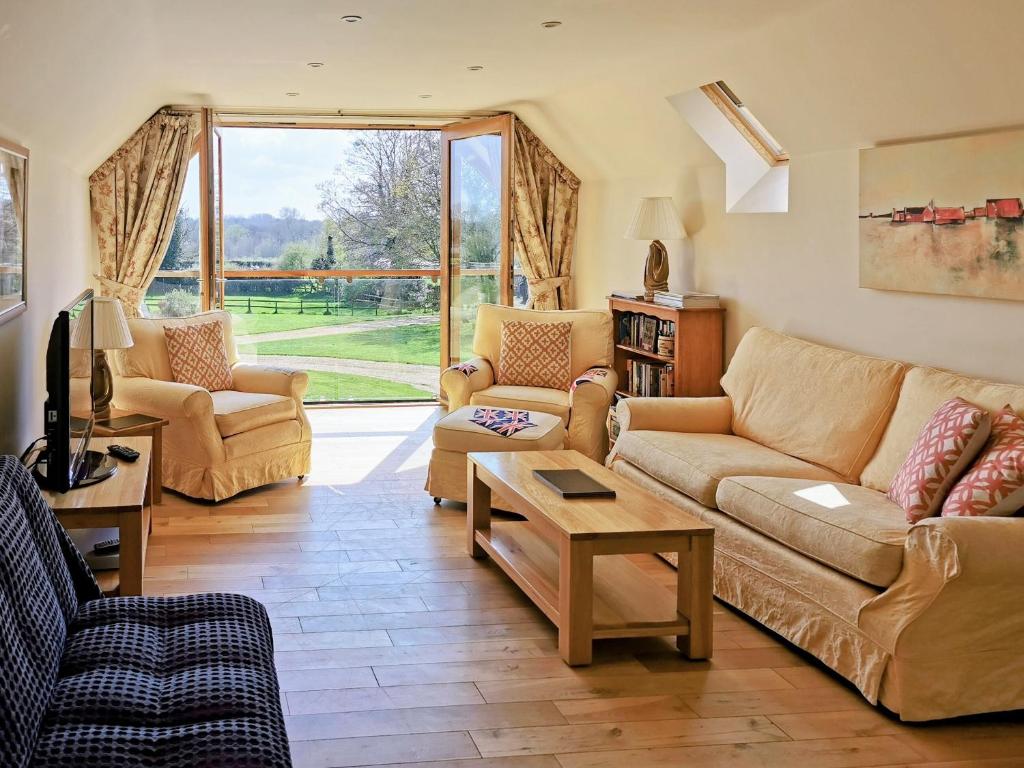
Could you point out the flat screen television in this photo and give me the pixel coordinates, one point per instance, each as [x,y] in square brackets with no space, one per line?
[68,417]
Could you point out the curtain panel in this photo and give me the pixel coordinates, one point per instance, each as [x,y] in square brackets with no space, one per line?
[134,196]
[545,198]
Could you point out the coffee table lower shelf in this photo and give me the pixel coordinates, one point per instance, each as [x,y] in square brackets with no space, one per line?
[626,601]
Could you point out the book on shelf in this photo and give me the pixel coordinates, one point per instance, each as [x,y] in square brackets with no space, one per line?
[644,332]
[646,379]
[688,300]
[621,293]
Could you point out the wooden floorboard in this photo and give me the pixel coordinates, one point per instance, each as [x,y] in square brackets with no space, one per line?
[396,649]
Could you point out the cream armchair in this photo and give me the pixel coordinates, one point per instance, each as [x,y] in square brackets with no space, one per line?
[218,443]
[583,408]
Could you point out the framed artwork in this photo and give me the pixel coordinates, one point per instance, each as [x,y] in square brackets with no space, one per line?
[944,216]
[13,228]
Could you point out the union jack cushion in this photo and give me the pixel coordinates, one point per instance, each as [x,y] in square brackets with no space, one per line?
[591,374]
[994,485]
[502,421]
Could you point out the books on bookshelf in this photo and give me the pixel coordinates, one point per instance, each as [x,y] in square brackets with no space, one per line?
[646,379]
[646,332]
[689,300]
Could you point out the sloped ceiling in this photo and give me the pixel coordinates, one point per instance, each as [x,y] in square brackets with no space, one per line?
[78,77]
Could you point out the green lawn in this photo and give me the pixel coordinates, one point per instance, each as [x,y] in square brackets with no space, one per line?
[324,386]
[419,344]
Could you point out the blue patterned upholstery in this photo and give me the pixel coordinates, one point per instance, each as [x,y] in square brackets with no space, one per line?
[96,682]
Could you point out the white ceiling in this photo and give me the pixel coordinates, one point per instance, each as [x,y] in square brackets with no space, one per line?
[78,76]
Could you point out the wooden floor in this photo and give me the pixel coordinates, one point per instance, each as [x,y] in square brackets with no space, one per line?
[396,648]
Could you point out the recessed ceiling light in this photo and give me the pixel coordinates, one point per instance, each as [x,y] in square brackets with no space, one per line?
[550,24]
[351,18]
[315,64]
[425,95]
[292,93]
[475,68]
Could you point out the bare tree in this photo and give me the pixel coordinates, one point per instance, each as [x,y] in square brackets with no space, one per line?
[385,200]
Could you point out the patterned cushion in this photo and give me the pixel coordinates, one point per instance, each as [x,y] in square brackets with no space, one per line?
[535,355]
[198,355]
[166,681]
[994,485]
[943,450]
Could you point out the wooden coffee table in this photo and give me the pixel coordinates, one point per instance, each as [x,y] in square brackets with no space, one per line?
[552,556]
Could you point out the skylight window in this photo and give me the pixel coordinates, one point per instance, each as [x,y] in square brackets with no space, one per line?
[740,116]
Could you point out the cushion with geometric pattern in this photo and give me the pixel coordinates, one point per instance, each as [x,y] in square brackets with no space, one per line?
[945,447]
[994,485]
[198,355]
[535,355]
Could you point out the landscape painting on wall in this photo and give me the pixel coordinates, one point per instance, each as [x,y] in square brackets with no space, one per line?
[944,216]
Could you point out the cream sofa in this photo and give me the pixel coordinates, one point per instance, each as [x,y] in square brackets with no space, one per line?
[583,409]
[218,443]
[927,620]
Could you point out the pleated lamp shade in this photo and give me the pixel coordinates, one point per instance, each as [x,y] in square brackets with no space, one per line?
[656,218]
[109,326]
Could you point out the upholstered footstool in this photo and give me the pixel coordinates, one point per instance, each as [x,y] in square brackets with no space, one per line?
[484,428]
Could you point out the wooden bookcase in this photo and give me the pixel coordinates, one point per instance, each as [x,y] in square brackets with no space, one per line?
[698,352]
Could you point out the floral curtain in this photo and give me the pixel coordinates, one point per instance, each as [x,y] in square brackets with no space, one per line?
[545,197]
[134,197]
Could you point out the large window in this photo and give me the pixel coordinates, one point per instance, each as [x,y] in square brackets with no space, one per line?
[326,245]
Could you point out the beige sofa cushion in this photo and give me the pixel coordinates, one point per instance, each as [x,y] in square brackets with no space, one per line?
[237,412]
[820,404]
[696,463]
[457,434]
[923,391]
[863,538]
[148,356]
[590,342]
[553,401]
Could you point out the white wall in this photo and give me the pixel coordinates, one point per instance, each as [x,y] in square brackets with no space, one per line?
[795,272]
[59,236]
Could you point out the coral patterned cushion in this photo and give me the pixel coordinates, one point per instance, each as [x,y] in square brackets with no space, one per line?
[994,485]
[535,355]
[198,355]
[945,447]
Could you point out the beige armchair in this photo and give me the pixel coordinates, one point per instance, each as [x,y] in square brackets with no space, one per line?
[218,443]
[583,409]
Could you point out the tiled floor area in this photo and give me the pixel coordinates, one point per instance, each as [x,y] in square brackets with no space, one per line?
[396,648]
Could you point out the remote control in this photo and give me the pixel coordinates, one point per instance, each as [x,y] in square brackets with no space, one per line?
[123,452]
[108,547]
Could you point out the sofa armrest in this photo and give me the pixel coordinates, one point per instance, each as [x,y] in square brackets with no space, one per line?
[270,380]
[676,414]
[959,590]
[589,397]
[188,408]
[459,382]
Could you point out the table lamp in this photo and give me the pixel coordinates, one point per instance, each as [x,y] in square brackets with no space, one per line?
[656,219]
[110,330]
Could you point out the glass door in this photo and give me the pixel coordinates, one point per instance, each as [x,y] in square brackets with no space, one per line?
[212,213]
[476,261]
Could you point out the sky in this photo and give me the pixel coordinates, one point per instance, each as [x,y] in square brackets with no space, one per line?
[267,169]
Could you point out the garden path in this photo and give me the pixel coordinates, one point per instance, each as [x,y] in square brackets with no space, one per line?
[426,377]
[330,330]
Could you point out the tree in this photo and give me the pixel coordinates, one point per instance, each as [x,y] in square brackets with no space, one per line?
[295,256]
[183,249]
[327,260]
[385,200]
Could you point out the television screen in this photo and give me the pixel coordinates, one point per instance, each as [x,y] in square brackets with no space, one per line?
[68,413]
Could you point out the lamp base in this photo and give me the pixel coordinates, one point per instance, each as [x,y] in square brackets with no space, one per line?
[102,385]
[655,270]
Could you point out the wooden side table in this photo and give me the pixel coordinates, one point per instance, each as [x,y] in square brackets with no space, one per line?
[128,424]
[117,502]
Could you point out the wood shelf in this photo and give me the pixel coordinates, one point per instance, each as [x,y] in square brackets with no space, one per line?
[627,602]
[645,353]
